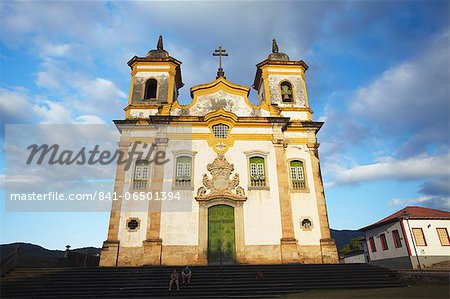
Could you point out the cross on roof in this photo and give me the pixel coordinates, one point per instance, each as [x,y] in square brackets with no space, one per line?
[220,52]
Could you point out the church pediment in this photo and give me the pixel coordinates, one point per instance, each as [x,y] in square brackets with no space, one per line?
[219,84]
[219,94]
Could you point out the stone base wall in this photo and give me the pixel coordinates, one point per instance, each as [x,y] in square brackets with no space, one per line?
[108,255]
[179,255]
[130,256]
[309,254]
[403,262]
[262,254]
[329,251]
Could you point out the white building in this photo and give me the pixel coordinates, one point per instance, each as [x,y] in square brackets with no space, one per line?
[409,236]
[245,177]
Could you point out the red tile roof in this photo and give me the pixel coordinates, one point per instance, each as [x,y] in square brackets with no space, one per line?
[414,213]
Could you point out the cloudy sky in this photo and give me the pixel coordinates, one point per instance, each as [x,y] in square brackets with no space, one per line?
[378,78]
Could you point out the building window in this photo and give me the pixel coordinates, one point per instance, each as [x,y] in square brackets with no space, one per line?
[297,175]
[183,171]
[419,237]
[306,224]
[133,224]
[220,131]
[141,170]
[443,236]
[286,92]
[396,237]
[373,248]
[151,87]
[384,244]
[257,172]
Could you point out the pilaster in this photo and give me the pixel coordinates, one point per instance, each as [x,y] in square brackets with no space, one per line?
[110,249]
[327,244]
[153,243]
[289,251]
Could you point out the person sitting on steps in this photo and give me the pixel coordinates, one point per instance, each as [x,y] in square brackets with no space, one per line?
[260,275]
[186,273]
[174,277]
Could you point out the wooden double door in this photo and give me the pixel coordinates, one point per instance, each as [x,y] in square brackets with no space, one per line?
[221,235]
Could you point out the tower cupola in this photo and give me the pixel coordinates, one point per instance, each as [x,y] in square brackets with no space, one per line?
[155,80]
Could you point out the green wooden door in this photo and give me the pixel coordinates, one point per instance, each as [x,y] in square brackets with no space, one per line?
[221,240]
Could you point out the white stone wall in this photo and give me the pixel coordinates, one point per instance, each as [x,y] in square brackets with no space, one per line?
[297,89]
[434,247]
[356,259]
[262,219]
[132,238]
[304,204]
[132,209]
[142,113]
[392,252]
[221,99]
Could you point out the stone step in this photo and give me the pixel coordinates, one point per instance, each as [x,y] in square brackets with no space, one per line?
[207,282]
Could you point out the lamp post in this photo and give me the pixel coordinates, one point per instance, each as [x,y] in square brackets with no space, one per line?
[406,216]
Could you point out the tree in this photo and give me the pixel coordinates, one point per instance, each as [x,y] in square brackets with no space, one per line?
[354,244]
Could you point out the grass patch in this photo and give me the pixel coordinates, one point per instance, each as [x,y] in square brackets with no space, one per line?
[412,292]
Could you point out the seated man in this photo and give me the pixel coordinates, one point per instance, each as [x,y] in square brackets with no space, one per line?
[174,277]
[186,273]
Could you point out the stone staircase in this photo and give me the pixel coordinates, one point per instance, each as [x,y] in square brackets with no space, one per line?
[207,281]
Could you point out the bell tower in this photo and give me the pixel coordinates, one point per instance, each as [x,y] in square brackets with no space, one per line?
[281,85]
[155,80]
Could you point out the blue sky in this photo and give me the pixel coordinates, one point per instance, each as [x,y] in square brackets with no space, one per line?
[378,78]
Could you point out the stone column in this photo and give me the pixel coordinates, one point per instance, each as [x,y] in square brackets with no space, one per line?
[153,243]
[327,245]
[239,229]
[110,250]
[202,258]
[289,250]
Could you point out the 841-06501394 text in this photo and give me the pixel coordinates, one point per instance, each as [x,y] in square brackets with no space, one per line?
[97,195]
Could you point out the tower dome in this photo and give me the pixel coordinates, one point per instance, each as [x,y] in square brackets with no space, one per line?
[275,55]
[159,53]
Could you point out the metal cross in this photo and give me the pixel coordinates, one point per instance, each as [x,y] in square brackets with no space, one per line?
[220,52]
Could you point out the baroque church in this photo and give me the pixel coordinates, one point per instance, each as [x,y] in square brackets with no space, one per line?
[241,183]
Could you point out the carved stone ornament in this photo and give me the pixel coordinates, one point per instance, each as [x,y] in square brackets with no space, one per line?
[220,185]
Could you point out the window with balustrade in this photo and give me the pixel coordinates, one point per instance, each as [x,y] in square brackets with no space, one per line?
[183,171]
[297,175]
[141,174]
[257,172]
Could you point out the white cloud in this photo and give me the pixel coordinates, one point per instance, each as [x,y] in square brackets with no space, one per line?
[80,93]
[14,105]
[416,168]
[52,113]
[18,106]
[436,202]
[50,49]
[411,98]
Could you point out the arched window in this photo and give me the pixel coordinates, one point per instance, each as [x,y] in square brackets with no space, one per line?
[286,92]
[141,171]
[151,87]
[257,172]
[220,131]
[297,175]
[183,171]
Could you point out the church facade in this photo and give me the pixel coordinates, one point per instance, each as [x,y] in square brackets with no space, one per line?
[244,179]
